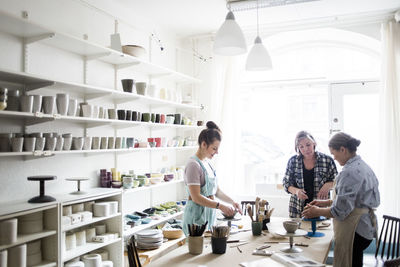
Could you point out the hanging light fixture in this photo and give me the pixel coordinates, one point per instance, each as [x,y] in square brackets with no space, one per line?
[258,58]
[229,40]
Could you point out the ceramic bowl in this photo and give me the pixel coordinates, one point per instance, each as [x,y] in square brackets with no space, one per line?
[229,217]
[290,226]
[155,180]
[134,50]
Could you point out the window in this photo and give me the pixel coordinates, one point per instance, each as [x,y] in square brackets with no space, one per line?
[295,95]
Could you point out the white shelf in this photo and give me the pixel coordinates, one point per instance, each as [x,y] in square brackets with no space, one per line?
[47,153]
[151,186]
[24,28]
[34,118]
[90,246]
[94,220]
[46,263]
[22,239]
[141,227]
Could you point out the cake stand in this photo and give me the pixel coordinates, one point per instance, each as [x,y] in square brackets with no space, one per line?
[229,220]
[42,197]
[291,248]
[314,221]
[78,179]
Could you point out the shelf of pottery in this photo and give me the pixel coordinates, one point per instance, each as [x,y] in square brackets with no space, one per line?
[29,236]
[91,230]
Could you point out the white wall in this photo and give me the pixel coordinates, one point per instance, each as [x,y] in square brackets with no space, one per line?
[73,18]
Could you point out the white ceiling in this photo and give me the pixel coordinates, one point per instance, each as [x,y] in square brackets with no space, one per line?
[200,17]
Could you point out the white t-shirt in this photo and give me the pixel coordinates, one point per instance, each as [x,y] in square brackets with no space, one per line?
[194,174]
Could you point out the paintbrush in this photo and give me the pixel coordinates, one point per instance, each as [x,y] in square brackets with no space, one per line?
[250,212]
[257,202]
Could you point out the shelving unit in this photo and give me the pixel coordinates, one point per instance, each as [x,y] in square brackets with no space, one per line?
[30,33]
[34,33]
[49,236]
[113,223]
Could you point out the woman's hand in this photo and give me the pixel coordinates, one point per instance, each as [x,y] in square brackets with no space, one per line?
[320,203]
[227,210]
[301,194]
[237,207]
[310,211]
[324,191]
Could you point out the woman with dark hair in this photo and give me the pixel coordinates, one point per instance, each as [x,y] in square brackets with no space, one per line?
[201,181]
[356,195]
[309,174]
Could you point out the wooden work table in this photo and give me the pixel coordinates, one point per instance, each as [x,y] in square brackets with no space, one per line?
[317,250]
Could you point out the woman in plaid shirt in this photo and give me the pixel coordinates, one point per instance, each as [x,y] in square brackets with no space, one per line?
[309,174]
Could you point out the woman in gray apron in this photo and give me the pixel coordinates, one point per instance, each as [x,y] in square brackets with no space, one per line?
[356,195]
[201,183]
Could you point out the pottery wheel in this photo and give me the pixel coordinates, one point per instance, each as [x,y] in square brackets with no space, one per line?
[78,180]
[291,248]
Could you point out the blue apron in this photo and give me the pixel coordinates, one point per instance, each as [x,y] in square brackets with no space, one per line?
[195,213]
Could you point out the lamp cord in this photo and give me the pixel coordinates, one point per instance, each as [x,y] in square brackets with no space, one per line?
[257,20]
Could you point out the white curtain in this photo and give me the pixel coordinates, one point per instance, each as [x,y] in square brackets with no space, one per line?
[390,120]
[224,111]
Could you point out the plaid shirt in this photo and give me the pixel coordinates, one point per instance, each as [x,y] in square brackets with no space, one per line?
[324,171]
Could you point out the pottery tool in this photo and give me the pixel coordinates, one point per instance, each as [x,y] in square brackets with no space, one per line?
[239,249]
[270,213]
[220,231]
[263,247]
[249,212]
[233,241]
[238,245]
[257,203]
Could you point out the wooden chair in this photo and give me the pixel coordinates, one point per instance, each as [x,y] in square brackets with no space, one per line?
[392,263]
[244,204]
[133,256]
[389,239]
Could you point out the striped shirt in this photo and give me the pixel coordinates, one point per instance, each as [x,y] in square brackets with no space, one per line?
[324,171]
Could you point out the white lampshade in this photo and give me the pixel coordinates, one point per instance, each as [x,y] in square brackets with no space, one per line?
[229,40]
[258,58]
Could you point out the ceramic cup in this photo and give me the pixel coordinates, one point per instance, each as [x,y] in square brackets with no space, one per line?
[26,103]
[256,228]
[152,91]
[87,143]
[50,143]
[146,117]
[178,118]
[17,144]
[195,244]
[134,115]
[87,110]
[77,143]
[40,142]
[112,114]
[141,88]
[29,143]
[62,101]
[127,85]
[158,141]
[128,115]
[157,118]
[59,143]
[72,107]
[37,103]
[111,143]
[67,141]
[96,143]
[49,104]
[122,114]
[101,113]
[118,142]
[104,143]
[95,113]
[218,245]
[162,118]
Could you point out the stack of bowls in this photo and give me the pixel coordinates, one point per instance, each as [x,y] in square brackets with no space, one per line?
[149,239]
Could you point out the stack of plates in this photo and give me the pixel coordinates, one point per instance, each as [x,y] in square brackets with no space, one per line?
[149,239]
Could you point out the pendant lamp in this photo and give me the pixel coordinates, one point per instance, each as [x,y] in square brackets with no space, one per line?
[258,58]
[229,40]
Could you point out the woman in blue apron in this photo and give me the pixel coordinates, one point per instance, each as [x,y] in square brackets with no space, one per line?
[201,183]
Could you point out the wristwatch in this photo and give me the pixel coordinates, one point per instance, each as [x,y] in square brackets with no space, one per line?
[217,205]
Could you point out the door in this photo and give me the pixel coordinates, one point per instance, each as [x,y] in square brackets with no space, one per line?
[354,109]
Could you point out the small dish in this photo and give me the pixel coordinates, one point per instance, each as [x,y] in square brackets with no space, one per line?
[134,50]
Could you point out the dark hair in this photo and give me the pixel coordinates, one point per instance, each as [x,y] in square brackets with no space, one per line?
[300,135]
[344,140]
[210,134]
